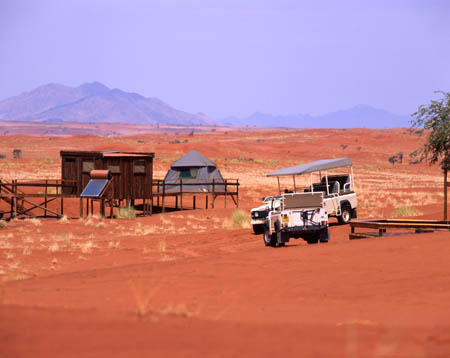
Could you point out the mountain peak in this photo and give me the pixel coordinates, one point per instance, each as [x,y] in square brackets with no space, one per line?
[93,88]
[92,102]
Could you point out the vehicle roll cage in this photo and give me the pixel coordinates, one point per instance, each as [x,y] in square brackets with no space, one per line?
[314,167]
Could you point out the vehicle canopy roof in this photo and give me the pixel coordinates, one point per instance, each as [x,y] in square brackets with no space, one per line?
[318,165]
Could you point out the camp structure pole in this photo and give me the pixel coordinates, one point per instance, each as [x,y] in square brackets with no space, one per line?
[163,196]
[352,182]
[237,193]
[15,198]
[225,196]
[181,194]
[279,188]
[193,202]
[295,187]
[62,202]
[212,199]
[445,194]
[45,197]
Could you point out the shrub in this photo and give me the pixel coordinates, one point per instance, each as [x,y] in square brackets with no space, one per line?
[126,213]
[2,224]
[17,153]
[241,219]
[404,211]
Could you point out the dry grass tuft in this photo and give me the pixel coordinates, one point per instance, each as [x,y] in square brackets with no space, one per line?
[143,297]
[63,220]
[86,248]
[113,245]
[54,247]
[162,245]
[35,222]
[405,211]
[26,251]
[3,224]
[126,213]
[177,310]
[239,220]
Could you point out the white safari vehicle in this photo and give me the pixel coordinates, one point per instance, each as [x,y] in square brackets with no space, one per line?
[259,214]
[297,215]
[304,212]
[338,189]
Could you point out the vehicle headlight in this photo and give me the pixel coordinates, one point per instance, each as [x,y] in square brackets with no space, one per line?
[256,214]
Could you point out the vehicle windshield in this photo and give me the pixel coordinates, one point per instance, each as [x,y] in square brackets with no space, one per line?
[276,203]
[268,199]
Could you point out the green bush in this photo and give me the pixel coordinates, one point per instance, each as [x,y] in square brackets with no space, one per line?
[126,213]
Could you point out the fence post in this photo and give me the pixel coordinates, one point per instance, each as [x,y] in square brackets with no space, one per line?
[15,198]
[163,197]
[225,196]
[193,202]
[181,194]
[445,194]
[212,199]
[45,197]
[237,191]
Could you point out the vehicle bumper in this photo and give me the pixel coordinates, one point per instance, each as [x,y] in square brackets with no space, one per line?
[309,229]
[258,222]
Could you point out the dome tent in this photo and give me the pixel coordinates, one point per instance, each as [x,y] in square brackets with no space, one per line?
[191,169]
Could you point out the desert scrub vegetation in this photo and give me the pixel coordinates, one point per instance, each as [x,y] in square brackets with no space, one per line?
[143,297]
[239,219]
[405,211]
[2,224]
[126,213]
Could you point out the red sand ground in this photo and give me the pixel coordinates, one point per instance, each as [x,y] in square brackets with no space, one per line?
[190,284]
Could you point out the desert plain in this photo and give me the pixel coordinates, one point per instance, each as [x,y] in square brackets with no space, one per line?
[194,283]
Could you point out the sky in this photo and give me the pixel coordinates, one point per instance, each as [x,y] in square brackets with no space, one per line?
[230,57]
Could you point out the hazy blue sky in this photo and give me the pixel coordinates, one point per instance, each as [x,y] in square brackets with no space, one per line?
[233,57]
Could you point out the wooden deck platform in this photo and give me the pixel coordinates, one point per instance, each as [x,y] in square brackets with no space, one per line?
[382,225]
[32,198]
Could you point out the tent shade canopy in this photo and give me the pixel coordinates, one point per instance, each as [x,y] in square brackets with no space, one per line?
[193,159]
[197,173]
[323,164]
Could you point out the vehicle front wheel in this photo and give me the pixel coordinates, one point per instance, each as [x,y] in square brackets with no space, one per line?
[269,239]
[258,229]
[346,215]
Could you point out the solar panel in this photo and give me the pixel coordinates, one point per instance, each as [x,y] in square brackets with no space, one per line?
[94,188]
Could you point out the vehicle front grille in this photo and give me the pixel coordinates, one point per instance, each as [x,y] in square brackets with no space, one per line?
[259,214]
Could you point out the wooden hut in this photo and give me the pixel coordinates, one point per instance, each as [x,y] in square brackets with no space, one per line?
[132,172]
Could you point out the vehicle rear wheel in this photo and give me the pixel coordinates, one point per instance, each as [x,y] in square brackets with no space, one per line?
[312,241]
[258,229]
[269,239]
[324,235]
[346,215]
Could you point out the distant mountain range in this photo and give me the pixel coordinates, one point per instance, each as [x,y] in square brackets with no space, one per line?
[93,103]
[361,116]
[96,103]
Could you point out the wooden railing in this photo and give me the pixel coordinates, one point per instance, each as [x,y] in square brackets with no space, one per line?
[225,187]
[18,193]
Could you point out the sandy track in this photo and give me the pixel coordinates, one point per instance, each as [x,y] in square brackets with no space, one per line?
[375,297]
